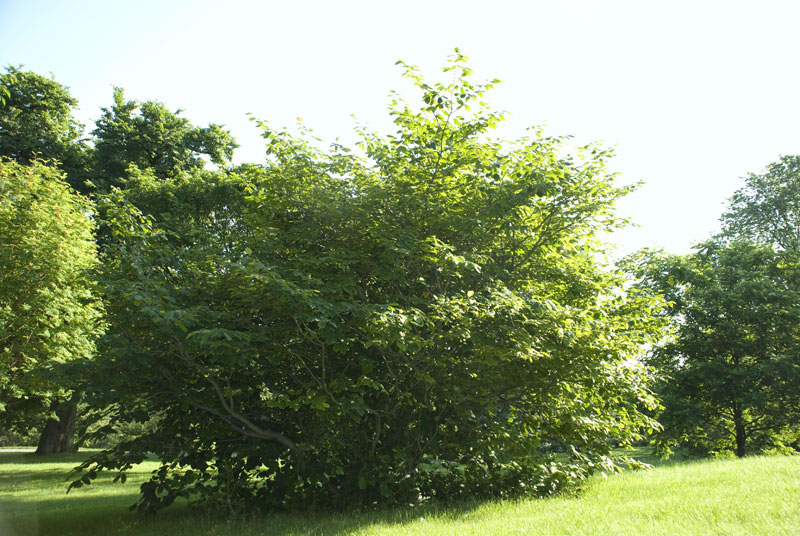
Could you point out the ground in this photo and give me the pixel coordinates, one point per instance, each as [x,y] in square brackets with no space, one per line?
[752,496]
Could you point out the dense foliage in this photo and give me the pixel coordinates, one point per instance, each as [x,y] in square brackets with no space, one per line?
[36,122]
[767,208]
[731,371]
[426,315]
[149,136]
[423,317]
[48,314]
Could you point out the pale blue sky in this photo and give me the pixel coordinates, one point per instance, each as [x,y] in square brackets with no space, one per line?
[693,95]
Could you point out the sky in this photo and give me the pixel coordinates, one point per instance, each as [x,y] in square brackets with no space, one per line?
[692,95]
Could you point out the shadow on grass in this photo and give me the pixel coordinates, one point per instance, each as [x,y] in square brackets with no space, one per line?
[29,458]
[33,501]
[89,511]
[93,514]
[646,455]
[34,478]
[34,474]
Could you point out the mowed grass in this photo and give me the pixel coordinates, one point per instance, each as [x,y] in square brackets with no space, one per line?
[752,496]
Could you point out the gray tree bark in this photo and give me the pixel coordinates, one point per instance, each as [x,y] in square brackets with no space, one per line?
[59,434]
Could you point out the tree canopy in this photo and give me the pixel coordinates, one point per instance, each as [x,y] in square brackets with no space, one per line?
[731,372]
[36,122]
[767,208]
[48,312]
[422,316]
[149,136]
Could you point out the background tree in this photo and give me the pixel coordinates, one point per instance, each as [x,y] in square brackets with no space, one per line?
[731,372]
[200,208]
[48,314]
[767,208]
[36,122]
[149,136]
[426,320]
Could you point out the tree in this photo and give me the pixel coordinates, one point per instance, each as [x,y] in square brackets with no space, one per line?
[149,136]
[48,313]
[731,371]
[767,208]
[199,208]
[428,319]
[36,122]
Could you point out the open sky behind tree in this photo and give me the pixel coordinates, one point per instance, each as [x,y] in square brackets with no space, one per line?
[693,95]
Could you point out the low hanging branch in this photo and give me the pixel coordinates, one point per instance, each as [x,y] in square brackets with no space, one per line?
[236,420]
[241,423]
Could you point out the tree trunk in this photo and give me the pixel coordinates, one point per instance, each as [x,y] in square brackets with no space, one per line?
[741,435]
[59,435]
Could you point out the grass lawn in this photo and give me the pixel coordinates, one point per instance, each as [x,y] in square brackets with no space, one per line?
[753,496]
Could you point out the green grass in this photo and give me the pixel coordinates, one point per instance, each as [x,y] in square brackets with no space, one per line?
[753,496]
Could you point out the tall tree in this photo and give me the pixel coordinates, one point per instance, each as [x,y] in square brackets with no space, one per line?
[149,136]
[36,122]
[429,319]
[731,373]
[48,313]
[767,208]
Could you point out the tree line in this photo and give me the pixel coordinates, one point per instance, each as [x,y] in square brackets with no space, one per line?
[425,315]
[729,367]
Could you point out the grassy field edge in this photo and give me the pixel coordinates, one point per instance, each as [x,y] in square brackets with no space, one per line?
[751,496]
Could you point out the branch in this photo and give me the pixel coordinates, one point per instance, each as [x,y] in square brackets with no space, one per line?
[256,431]
[244,423]
[227,419]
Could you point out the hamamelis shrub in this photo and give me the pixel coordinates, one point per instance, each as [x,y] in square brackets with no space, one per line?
[424,317]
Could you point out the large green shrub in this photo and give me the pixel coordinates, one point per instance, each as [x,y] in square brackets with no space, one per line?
[425,316]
